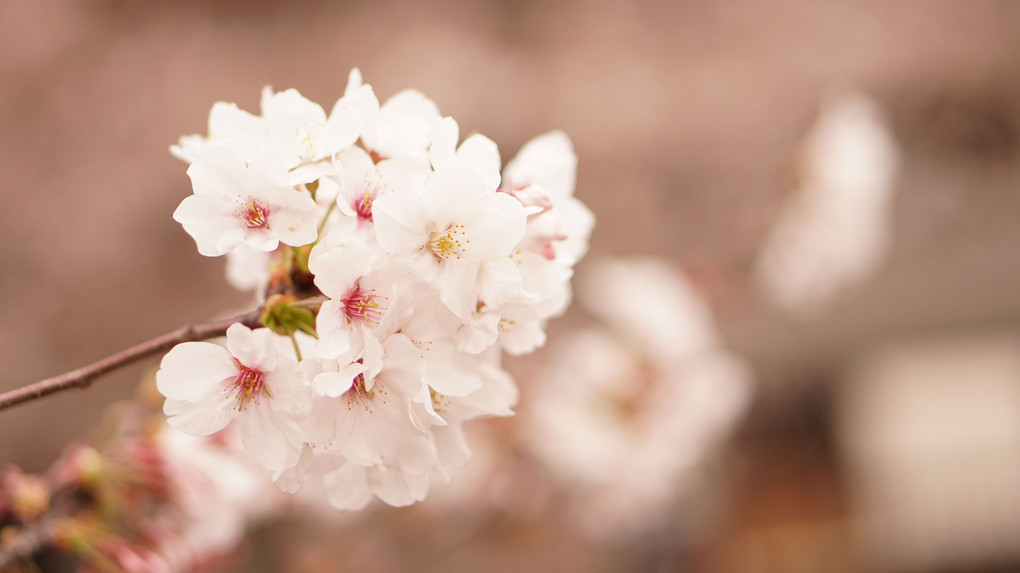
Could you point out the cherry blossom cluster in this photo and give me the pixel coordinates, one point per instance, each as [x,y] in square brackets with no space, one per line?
[393,263]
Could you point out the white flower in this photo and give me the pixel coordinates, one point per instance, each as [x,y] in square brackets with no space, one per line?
[833,230]
[365,405]
[623,416]
[207,386]
[651,305]
[450,230]
[360,291]
[352,486]
[236,203]
[402,126]
[300,130]
[361,181]
[542,176]
[477,150]
[229,126]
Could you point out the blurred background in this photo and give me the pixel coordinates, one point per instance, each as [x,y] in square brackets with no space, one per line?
[879,425]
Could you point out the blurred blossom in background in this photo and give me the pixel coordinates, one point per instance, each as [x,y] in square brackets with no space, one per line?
[794,344]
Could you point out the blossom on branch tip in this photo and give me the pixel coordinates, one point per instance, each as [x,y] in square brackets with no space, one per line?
[207,386]
[393,265]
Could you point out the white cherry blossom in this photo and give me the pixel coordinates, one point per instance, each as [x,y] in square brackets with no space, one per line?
[450,230]
[207,386]
[238,203]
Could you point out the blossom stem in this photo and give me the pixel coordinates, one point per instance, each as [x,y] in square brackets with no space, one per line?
[84,376]
[297,350]
[322,224]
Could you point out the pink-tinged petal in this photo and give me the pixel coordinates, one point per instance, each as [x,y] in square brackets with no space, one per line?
[319,426]
[194,371]
[372,356]
[479,334]
[284,111]
[482,153]
[189,148]
[404,364]
[336,270]
[451,191]
[457,290]
[274,441]
[218,171]
[445,134]
[237,128]
[400,173]
[547,160]
[258,240]
[288,393]
[333,329]
[451,372]
[294,217]
[401,226]
[200,418]
[354,82]
[334,384]
[355,171]
[451,445]
[357,435]
[249,348]
[347,488]
[522,332]
[342,129]
[410,103]
[499,281]
[496,227]
[212,221]
[397,488]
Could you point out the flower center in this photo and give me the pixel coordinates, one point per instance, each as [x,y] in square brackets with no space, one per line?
[248,386]
[358,395]
[449,242]
[362,305]
[254,213]
[363,206]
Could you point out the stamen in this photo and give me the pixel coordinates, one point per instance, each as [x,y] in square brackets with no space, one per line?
[254,213]
[248,386]
[358,395]
[362,305]
[448,243]
[363,206]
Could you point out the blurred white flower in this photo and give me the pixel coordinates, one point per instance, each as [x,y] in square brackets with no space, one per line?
[624,416]
[834,228]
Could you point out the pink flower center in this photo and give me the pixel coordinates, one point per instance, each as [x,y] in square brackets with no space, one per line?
[363,206]
[248,386]
[358,395]
[254,213]
[362,305]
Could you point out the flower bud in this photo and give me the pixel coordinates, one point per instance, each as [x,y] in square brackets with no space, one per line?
[284,317]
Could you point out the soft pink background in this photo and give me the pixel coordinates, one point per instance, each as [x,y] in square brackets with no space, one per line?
[685,116]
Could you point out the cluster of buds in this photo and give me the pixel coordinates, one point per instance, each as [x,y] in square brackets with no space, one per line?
[393,266]
[146,499]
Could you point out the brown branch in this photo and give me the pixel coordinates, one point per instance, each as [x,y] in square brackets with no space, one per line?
[83,377]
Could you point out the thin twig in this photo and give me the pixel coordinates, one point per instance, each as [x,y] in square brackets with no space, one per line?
[83,377]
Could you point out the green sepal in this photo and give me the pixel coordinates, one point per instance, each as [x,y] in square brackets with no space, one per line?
[283,316]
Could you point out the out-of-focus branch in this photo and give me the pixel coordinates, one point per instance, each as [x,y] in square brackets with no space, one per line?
[83,377]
